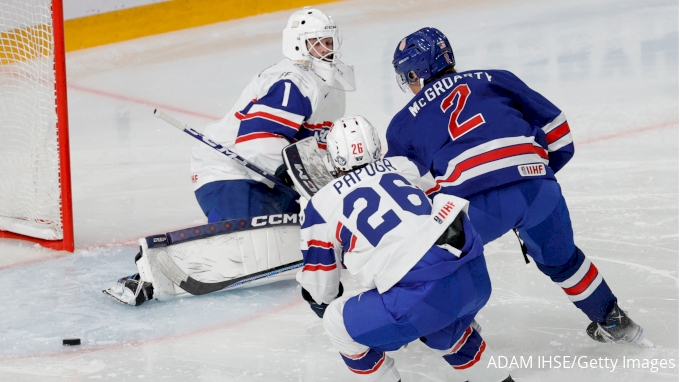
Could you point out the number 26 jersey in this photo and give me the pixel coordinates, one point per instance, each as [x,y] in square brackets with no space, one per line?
[376,221]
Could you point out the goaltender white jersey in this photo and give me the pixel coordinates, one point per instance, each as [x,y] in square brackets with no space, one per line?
[376,221]
[285,103]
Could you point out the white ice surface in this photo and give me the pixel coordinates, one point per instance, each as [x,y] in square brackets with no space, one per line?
[611,65]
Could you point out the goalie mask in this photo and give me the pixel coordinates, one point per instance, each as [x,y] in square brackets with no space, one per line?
[312,37]
[352,143]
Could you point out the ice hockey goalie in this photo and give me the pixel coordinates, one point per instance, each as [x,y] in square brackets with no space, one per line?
[224,255]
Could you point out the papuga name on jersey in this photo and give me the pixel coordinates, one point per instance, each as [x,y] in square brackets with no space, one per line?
[370,169]
[441,86]
[275,219]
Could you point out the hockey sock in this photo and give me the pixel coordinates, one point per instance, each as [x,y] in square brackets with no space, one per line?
[471,358]
[583,284]
[372,365]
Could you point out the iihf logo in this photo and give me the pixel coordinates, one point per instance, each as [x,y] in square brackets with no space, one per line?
[537,169]
[438,219]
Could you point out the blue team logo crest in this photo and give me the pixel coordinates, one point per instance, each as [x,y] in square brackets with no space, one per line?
[340,160]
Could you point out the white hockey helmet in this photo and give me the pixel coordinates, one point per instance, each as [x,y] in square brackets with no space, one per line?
[352,142]
[311,24]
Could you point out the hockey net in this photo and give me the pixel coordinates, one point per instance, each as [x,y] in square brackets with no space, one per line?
[35,193]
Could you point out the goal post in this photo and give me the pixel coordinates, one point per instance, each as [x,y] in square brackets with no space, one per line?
[35,178]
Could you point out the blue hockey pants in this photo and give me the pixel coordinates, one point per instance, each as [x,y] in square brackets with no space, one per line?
[237,199]
[537,209]
[435,302]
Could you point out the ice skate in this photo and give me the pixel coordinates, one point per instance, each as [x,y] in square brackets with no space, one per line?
[131,290]
[618,328]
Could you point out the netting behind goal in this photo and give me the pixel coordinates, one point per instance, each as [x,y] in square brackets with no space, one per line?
[34,169]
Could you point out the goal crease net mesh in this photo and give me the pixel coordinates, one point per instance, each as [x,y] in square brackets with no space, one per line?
[30,193]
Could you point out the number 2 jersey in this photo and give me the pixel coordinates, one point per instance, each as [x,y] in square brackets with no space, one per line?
[285,103]
[477,130]
[376,221]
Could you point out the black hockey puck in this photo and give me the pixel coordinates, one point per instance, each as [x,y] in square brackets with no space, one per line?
[71,341]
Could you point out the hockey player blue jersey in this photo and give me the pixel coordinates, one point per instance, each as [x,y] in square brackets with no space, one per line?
[499,131]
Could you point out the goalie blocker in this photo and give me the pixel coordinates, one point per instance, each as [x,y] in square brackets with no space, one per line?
[224,255]
[308,167]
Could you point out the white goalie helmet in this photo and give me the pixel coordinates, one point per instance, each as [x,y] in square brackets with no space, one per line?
[352,142]
[313,26]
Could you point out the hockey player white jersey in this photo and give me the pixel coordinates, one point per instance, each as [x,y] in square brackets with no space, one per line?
[285,103]
[376,221]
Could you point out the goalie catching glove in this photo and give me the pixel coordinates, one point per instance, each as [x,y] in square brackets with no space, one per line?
[319,309]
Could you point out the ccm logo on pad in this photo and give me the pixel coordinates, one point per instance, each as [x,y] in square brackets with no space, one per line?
[260,221]
[531,169]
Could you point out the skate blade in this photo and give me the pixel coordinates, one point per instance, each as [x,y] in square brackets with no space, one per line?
[645,343]
[114,296]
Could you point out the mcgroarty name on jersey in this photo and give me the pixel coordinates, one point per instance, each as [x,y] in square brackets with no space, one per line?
[350,180]
[441,86]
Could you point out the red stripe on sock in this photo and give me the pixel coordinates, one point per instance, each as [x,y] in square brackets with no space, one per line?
[478,356]
[584,283]
[372,370]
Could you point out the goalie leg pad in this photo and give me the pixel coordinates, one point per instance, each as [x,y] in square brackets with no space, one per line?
[224,257]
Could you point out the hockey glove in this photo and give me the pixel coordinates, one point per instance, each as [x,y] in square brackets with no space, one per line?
[282,174]
[319,309]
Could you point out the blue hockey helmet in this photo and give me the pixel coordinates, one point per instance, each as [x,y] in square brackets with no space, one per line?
[421,55]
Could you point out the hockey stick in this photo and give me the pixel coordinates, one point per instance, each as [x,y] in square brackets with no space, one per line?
[239,159]
[178,277]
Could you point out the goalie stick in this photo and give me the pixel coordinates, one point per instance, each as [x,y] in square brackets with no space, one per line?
[173,272]
[239,159]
